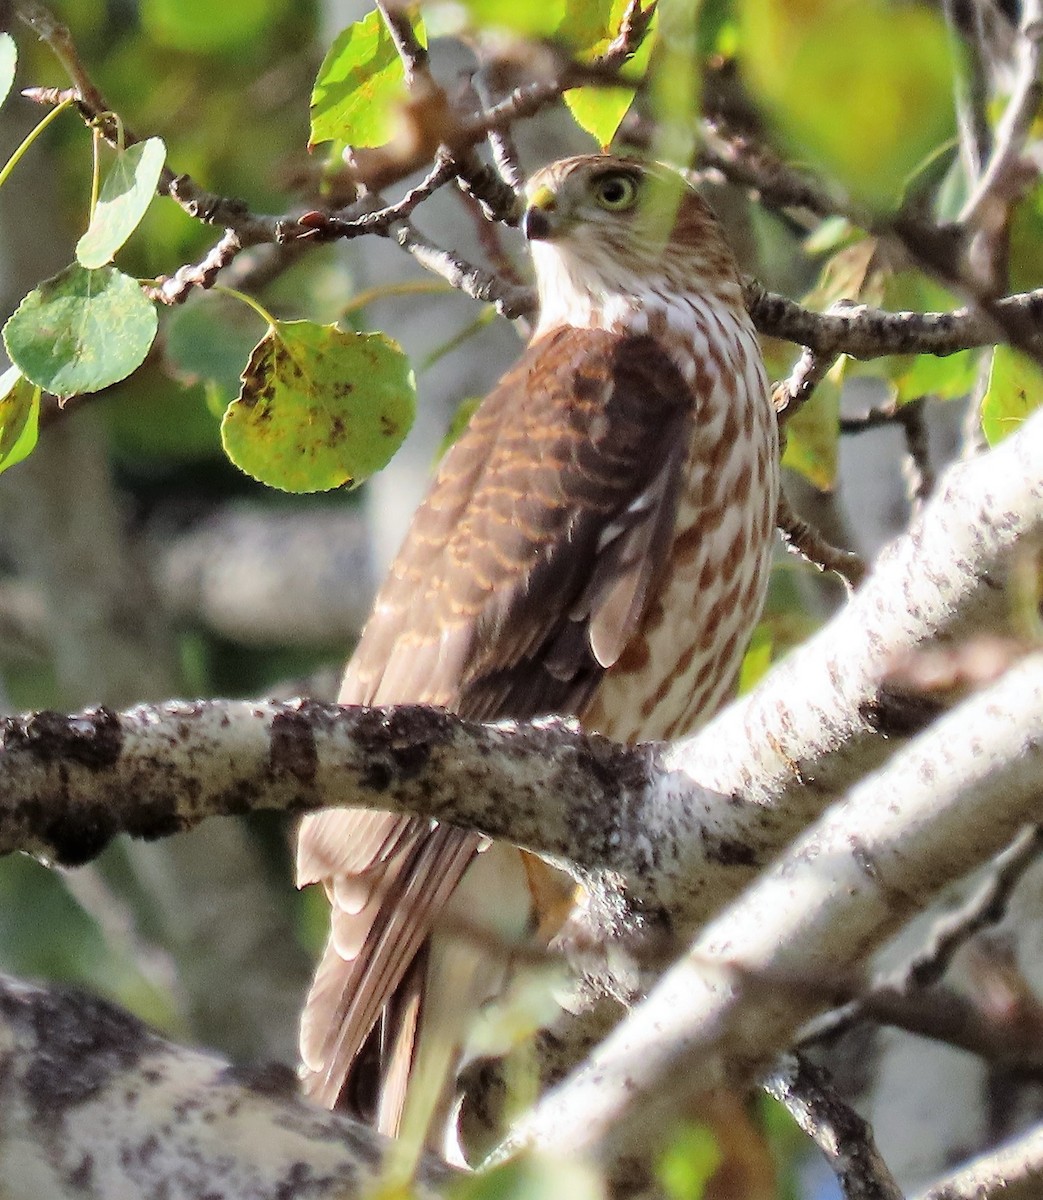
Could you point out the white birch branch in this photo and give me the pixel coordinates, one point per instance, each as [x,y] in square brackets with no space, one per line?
[944,804]
[93,1105]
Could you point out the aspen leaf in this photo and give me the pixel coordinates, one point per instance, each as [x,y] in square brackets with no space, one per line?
[319,408]
[19,417]
[360,85]
[1015,390]
[125,195]
[81,331]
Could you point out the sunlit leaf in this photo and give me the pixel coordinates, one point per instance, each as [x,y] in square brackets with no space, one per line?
[126,192]
[360,85]
[19,417]
[688,1163]
[8,58]
[536,20]
[532,1178]
[599,111]
[1015,390]
[825,69]
[81,331]
[202,25]
[319,407]
[812,436]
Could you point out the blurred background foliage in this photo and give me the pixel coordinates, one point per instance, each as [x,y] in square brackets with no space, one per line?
[137,563]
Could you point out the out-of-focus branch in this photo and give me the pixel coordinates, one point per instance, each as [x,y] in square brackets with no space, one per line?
[96,1105]
[999,182]
[840,1133]
[1013,1172]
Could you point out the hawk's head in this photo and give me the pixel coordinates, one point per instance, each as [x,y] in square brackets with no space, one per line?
[611,235]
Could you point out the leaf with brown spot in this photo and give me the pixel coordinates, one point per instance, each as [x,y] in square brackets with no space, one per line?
[319,407]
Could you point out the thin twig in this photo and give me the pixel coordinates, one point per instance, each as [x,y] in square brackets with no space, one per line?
[1015,124]
[414,56]
[793,393]
[985,908]
[845,1139]
[176,288]
[919,472]
[477,283]
[970,87]
[864,332]
[949,1018]
[504,151]
[801,538]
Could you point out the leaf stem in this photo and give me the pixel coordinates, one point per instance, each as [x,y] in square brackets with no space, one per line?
[249,301]
[30,137]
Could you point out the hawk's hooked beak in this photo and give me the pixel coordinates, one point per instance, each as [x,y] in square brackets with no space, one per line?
[539,223]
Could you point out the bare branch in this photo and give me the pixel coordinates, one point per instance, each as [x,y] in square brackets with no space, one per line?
[995,186]
[793,393]
[805,540]
[865,332]
[1013,1172]
[840,1133]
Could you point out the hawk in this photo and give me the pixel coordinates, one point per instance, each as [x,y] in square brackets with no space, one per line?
[596,543]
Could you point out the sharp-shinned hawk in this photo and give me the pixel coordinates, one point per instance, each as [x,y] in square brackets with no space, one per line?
[596,543]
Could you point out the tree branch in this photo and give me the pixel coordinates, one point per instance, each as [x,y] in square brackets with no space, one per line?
[943,805]
[840,1133]
[96,1105]
[1013,1172]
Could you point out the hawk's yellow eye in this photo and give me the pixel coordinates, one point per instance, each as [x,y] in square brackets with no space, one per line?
[615,191]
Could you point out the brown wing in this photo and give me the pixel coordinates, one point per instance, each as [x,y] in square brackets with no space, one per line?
[523,576]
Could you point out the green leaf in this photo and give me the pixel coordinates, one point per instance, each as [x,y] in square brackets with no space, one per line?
[360,85]
[1015,391]
[19,417]
[599,111]
[199,26]
[8,58]
[532,1178]
[126,193]
[534,20]
[689,1162]
[862,87]
[1026,242]
[319,408]
[676,81]
[813,434]
[81,331]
